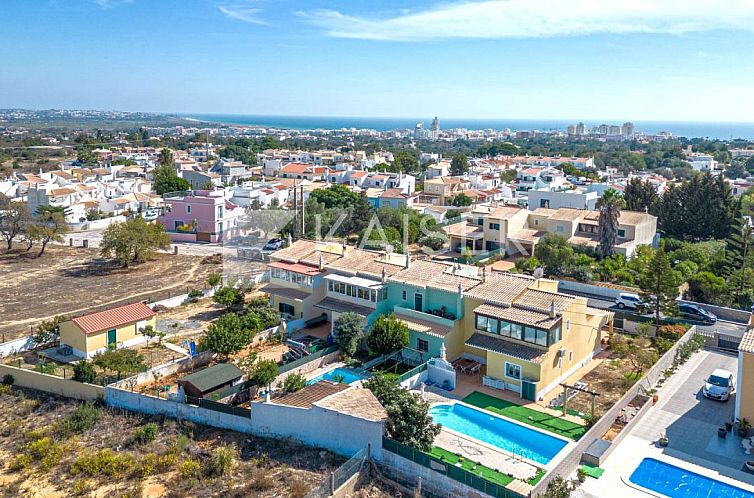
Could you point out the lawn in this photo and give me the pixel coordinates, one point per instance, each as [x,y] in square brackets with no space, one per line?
[540,420]
[478,469]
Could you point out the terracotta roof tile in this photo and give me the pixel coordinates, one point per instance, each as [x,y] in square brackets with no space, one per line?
[114,317]
[309,395]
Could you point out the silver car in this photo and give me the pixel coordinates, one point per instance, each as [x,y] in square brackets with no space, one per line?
[719,385]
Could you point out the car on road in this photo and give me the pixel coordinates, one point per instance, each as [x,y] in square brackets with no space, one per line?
[696,313]
[273,245]
[630,301]
[719,385]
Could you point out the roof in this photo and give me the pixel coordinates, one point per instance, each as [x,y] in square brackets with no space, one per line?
[114,317]
[501,288]
[502,346]
[363,262]
[212,377]
[747,341]
[519,315]
[424,326]
[306,397]
[304,248]
[568,214]
[357,402]
[633,218]
[464,229]
[527,235]
[394,193]
[338,306]
[506,212]
[296,268]
[286,292]
[433,275]
[538,300]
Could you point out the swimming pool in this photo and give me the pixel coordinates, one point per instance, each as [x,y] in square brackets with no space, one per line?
[676,482]
[342,375]
[510,436]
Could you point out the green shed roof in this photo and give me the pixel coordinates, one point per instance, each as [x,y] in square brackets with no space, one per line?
[209,378]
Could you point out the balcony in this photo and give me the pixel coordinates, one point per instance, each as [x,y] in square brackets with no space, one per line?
[426,317]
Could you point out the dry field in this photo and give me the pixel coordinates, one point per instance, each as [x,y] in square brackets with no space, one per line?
[71,281]
[38,459]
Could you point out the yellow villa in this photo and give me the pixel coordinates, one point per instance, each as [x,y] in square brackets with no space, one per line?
[118,327]
[745,376]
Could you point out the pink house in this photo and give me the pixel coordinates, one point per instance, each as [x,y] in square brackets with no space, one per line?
[200,216]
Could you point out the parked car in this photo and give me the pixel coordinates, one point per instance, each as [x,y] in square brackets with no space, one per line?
[694,312]
[151,214]
[629,300]
[719,385]
[273,245]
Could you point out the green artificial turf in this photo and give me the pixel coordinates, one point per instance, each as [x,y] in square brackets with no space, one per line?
[487,473]
[595,472]
[535,418]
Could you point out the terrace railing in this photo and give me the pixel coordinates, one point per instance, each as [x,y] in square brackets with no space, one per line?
[306,359]
[411,373]
[453,472]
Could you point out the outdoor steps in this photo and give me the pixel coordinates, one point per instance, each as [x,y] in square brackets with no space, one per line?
[519,487]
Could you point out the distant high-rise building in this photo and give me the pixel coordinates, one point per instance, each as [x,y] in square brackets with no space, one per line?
[580,129]
[601,129]
[613,130]
[434,131]
[419,131]
[571,130]
[628,129]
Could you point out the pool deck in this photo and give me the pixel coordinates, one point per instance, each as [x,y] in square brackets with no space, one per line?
[691,423]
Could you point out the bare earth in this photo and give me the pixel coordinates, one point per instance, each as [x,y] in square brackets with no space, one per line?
[70,281]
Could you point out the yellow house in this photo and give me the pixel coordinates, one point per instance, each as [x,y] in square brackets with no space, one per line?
[118,327]
[745,377]
[529,336]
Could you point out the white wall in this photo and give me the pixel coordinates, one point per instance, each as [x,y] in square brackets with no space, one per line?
[338,432]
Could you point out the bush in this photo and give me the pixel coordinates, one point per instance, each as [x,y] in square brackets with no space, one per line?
[102,463]
[46,368]
[82,419]
[195,294]
[145,434]
[5,389]
[21,462]
[83,371]
[672,332]
[261,480]
[82,487]
[190,469]
[294,382]
[8,380]
[221,461]
[297,488]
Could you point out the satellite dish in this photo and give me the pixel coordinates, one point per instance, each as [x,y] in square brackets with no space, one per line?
[539,272]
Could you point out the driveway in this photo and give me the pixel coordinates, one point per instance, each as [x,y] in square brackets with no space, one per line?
[690,420]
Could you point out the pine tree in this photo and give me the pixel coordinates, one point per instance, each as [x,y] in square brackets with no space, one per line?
[659,283]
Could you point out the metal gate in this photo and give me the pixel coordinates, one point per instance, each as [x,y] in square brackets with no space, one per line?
[728,342]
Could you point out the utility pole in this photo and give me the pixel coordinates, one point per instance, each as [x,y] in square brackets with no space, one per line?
[303,217]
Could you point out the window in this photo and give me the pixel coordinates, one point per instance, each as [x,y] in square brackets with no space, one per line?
[188,208]
[544,203]
[560,228]
[512,371]
[505,328]
[286,308]
[422,345]
[555,335]
[494,226]
[404,296]
[480,222]
[536,223]
[516,331]
[570,356]
[481,322]
[621,232]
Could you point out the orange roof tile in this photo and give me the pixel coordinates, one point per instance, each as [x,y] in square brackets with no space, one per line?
[114,317]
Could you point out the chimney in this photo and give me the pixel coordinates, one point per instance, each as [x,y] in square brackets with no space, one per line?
[552,309]
[408,260]
[344,248]
[321,262]
[290,239]
[384,274]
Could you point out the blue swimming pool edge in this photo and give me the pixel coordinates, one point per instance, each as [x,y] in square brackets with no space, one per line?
[683,465]
[554,461]
[335,366]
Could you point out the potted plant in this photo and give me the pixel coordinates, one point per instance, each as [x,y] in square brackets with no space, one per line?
[722,432]
[743,427]
[729,425]
[663,441]
[581,475]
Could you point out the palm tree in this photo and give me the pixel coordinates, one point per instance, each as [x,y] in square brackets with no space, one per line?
[609,206]
[166,157]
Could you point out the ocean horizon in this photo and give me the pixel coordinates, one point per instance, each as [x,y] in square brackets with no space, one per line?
[688,129]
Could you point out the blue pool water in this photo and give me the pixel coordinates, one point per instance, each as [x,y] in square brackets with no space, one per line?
[675,482]
[515,438]
[348,376]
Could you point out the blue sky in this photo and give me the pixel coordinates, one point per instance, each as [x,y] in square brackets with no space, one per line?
[575,59]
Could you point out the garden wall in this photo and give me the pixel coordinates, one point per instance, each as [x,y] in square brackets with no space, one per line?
[180,365]
[53,384]
[16,346]
[319,427]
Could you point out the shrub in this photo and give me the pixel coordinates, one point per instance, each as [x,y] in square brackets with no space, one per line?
[221,461]
[83,371]
[190,469]
[102,463]
[21,462]
[82,487]
[8,380]
[297,488]
[261,480]
[46,368]
[294,382]
[46,451]
[82,419]
[145,434]
[672,332]
[5,389]
[195,294]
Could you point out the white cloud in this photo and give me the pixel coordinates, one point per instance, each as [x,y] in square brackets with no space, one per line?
[106,4]
[540,19]
[242,11]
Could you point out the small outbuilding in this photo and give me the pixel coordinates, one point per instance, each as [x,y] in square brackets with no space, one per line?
[209,380]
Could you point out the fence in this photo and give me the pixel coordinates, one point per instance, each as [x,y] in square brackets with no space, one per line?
[453,472]
[411,373]
[569,464]
[218,407]
[340,476]
[306,359]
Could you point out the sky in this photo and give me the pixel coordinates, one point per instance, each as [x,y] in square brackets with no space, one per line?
[671,60]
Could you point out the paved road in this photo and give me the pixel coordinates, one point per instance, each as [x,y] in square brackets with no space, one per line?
[734,329]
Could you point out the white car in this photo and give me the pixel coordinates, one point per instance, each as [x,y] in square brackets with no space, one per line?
[719,385]
[629,300]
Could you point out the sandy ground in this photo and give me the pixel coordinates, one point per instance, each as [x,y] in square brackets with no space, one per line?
[76,280]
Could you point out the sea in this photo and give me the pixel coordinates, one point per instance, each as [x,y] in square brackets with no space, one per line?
[712,130]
